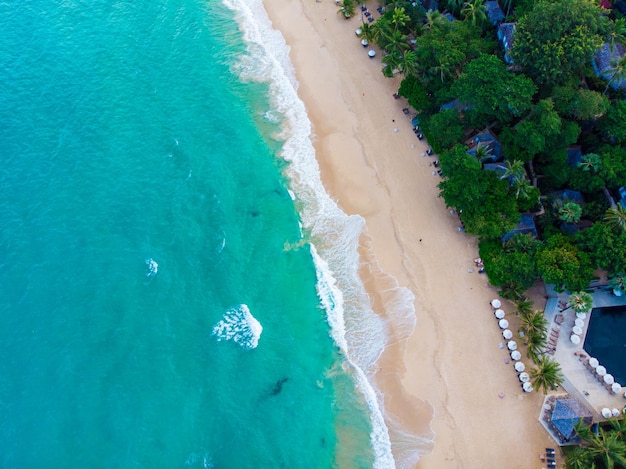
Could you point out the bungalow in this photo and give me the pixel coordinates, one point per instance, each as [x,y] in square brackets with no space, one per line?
[506,33]
[486,139]
[495,15]
[525,226]
[574,156]
[604,62]
[568,195]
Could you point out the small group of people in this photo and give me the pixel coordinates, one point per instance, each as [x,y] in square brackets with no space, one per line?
[479,264]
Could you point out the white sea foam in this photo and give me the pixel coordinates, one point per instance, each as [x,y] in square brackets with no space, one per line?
[240,326]
[357,330]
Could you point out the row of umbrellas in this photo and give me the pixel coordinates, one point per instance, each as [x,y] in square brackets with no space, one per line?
[577,330]
[606,377]
[608,413]
[512,345]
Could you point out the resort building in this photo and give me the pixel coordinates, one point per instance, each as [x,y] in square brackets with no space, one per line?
[488,140]
[506,33]
[495,15]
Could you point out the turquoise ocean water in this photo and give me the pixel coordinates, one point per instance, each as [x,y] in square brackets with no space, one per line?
[161,304]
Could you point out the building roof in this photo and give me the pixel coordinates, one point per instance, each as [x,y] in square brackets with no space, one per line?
[506,34]
[566,413]
[487,139]
[568,194]
[604,60]
[525,226]
[574,155]
[494,12]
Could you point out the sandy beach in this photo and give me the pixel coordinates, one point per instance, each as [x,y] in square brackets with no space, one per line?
[447,377]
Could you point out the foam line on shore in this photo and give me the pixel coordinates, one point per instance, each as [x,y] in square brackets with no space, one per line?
[361,334]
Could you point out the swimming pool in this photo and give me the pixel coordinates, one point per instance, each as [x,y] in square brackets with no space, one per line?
[606,340]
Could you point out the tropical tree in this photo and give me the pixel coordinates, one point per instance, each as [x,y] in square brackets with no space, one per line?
[617,33]
[563,264]
[482,152]
[407,62]
[607,447]
[432,20]
[536,343]
[547,375]
[399,18]
[491,91]
[534,322]
[617,72]
[618,283]
[616,216]
[475,12]
[370,32]
[590,162]
[581,302]
[515,171]
[523,306]
[556,39]
[570,212]
[347,8]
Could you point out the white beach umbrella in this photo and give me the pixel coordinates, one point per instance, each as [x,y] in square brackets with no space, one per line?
[358,31]
[593,362]
[512,345]
[507,334]
[615,412]
[577,330]
[575,339]
[496,303]
[503,323]
[519,367]
[516,355]
[606,412]
[581,315]
[499,313]
[524,377]
[600,370]
[608,379]
[616,387]
[579,322]
[527,387]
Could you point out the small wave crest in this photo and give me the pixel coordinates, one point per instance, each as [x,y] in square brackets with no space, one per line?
[240,326]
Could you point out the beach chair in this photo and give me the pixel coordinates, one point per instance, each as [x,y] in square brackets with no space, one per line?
[550,451]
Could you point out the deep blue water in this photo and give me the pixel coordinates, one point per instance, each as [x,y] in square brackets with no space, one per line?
[606,340]
[127,135]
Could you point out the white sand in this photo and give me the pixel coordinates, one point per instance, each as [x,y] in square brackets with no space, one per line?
[452,363]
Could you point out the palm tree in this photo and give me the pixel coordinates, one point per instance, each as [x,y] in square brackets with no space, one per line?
[522,189]
[482,152]
[407,63]
[394,42]
[514,170]
[399,18]
[433,19]
[475,11]
[618,283]
[523,306]
[616,217]
[570,212]
[607,446]
[581,302]
[547,375]
[580,458]
[534,322]
[347,8]
[536,343]
[617,34]
[590,161]
[370,32]
[617,72]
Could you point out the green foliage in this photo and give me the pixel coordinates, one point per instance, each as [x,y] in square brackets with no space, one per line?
[492,92]
[606,247]
[547,375]
[475,12]
[581,302]
[606,449]
[612,124]
[561,263]
[556,39]
[444,50]
[570,212]
[415,93]
[482,199]
[613,168]
[443,129]
[511,264]
[579,103]
[616,218]
[347,8]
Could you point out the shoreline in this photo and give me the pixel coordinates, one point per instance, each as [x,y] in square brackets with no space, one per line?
[448,373]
